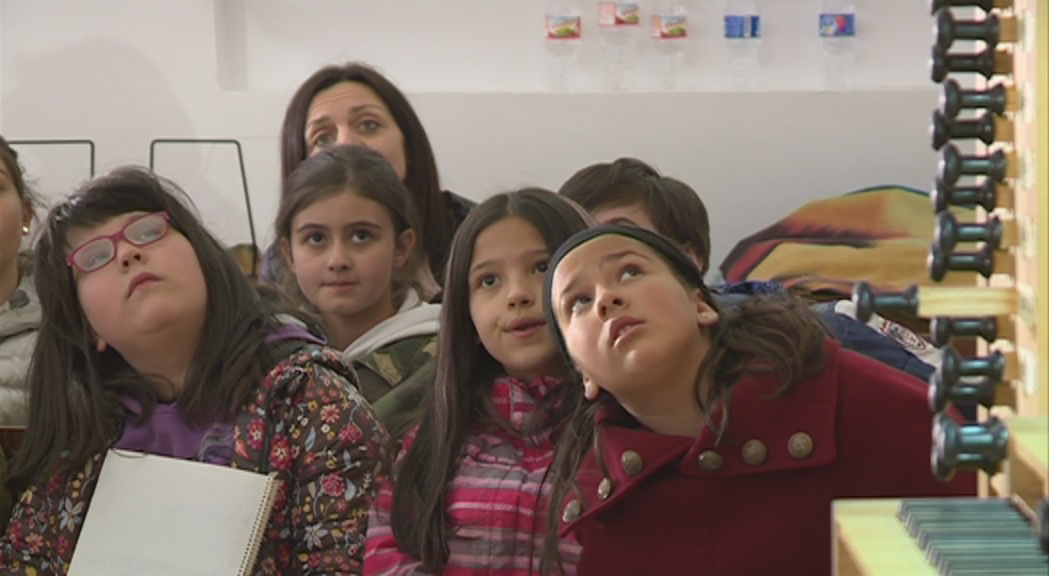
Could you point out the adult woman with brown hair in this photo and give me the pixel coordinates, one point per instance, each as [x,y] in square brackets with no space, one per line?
[353,103]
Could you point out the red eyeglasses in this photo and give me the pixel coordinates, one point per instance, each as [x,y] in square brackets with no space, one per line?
[101,250]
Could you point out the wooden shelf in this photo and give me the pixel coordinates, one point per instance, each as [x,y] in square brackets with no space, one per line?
[1030,442]
[1026,477]
[869,540]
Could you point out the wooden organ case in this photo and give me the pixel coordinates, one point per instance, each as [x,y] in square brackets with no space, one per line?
[1005,111]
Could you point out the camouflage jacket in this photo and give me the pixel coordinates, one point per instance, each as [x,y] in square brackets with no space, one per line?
[394,377]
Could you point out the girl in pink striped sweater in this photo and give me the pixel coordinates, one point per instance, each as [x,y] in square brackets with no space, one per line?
[471,488]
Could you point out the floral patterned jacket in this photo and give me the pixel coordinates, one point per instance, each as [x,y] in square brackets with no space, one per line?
[325,443]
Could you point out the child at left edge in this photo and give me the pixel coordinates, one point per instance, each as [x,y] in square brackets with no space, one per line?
[156,342]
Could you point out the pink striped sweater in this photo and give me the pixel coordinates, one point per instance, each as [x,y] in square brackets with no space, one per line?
[494,500]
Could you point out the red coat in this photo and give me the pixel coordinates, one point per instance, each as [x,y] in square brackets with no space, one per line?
[676,505]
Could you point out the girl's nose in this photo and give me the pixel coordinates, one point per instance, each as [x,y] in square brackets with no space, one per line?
[607,302]
[128,253]
[339,258]
[520,295]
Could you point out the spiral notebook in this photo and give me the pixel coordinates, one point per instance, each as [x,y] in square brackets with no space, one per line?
[163,516]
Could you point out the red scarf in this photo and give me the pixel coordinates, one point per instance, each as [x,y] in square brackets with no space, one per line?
[515,400]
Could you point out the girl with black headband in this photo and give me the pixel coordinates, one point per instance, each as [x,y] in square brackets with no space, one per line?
[710,441]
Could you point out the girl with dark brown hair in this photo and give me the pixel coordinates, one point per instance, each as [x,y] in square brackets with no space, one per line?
[19,305]
[155,342]
[469,486]
[349,235]
[712,440]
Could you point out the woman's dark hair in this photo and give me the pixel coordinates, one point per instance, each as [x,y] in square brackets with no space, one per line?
[459,401]
[421,177]
[9,156]
[365,173]
[674,207]
[768,334]
[74,391]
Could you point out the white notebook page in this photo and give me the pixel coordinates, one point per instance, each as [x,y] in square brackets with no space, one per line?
[162,516]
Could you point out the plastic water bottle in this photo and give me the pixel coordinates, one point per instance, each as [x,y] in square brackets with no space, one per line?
[564,34]
[837,28]
[743,40]
[742,36]
[669,33]
[619,24]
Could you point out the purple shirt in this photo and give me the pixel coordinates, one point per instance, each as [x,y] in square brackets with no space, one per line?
[168,433]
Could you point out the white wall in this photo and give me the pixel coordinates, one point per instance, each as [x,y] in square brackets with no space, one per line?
[122,72]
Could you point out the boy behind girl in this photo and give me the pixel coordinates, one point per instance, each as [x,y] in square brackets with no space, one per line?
[630,192]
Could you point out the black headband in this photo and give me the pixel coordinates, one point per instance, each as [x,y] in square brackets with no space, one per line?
[674,256]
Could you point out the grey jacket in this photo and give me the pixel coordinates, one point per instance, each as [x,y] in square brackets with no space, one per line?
[19,321]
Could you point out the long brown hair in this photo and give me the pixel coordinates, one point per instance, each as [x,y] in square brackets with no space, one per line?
[74,391]
[459,400]
[421,177]
[770,334]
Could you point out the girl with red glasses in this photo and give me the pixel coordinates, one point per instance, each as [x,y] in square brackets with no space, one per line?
[157,343]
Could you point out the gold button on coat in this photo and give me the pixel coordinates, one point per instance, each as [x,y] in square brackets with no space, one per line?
[754,452]
[632,463]
[604,489]
[711,461]
[800,445]
[572,511]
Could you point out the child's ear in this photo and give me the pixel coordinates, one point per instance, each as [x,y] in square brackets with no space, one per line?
[27,214]
[101,345]
[285,253]
[706,315]
[590,389]
[405,245]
